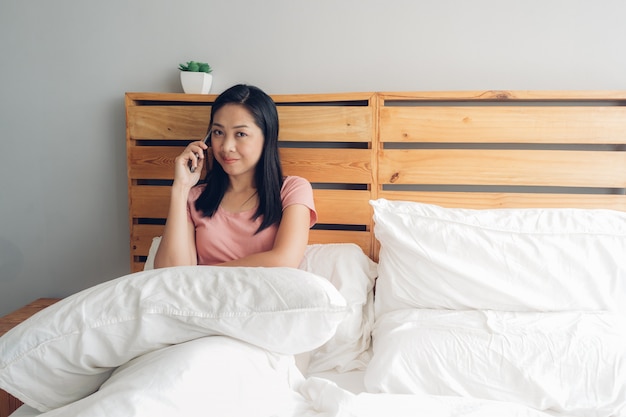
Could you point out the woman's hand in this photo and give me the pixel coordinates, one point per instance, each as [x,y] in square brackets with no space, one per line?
[188,164]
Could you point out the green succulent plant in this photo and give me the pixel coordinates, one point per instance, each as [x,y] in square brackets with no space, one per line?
[193,66]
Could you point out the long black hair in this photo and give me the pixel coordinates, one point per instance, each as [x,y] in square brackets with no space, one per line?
[268,173]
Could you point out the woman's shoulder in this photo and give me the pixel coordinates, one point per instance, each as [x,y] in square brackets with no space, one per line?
[296,188]
[293,181]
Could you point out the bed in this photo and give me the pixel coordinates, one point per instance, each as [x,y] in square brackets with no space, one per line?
[468,261]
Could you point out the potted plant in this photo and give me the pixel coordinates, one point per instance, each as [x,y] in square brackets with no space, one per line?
[196,77]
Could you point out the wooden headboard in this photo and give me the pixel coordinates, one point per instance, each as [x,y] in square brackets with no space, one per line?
[456,149]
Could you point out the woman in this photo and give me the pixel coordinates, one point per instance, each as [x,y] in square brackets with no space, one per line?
[246,213]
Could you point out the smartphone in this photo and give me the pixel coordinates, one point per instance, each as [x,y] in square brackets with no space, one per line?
[205,141]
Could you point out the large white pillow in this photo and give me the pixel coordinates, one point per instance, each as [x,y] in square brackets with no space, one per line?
[499,259]
[566,362]
[210,376]
[353,273]
[66,351]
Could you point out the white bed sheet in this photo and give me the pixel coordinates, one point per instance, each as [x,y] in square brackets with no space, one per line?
[332,394]
[351,381]
[327,399]
[343,394]
[25,411]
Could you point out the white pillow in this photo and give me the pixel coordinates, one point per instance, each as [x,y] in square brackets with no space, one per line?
[154,246]
[209,376]
[499,259]
[66,351]
[353,273]
[567,362]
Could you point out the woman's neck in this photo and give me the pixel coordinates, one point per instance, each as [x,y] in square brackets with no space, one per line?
[241,195]
[239,185]
[236,202]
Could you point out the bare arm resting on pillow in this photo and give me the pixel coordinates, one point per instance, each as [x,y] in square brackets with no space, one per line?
[289,245]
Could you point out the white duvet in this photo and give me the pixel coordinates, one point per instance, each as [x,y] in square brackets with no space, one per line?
[220,376]
[200,341]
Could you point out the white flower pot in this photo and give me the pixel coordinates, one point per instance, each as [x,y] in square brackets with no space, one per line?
[196,82]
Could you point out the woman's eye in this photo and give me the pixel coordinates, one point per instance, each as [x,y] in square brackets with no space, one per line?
[217,133]
[241,134]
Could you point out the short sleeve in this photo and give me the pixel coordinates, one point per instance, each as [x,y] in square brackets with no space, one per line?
[297,190]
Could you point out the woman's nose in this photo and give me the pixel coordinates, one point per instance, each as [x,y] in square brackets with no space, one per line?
[229,143]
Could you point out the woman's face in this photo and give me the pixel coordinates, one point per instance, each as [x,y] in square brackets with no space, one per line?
[236,140]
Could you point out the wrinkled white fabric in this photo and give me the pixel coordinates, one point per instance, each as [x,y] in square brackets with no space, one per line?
[353,274]
[328,400]
[569,362]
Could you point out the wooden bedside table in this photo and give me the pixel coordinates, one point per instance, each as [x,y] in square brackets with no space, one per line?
[9,403]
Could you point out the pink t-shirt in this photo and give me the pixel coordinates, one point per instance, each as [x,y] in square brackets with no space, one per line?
[226,236]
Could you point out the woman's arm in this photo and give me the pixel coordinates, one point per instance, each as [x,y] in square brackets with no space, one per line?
[290,244]
[178,243]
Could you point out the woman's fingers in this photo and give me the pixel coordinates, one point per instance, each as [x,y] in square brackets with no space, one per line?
[196,150]
[193,163]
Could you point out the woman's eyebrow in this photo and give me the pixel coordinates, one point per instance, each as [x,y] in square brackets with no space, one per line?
[234,127]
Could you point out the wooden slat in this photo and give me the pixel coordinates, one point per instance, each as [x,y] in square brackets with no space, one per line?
[324,98]
[149,201]
[592,125]
[325,123]
[481,200]
[503,167]
[315,123]
[14,318]
[363,239]
[142,236]
[343,206]
[505,95]
[153,162]
[168,122]
[333,206]
[328,165]
[317,165]
[141,98]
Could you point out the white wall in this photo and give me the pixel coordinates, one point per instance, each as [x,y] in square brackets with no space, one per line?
[66,64]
